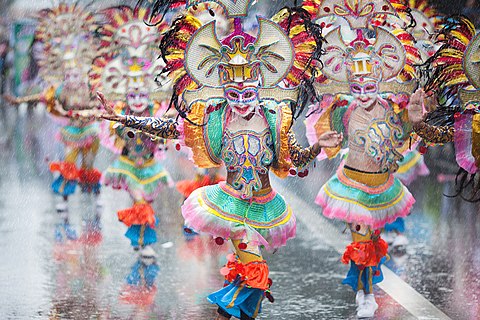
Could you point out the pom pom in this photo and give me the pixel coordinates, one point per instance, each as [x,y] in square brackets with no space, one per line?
[422,150]
[224,271]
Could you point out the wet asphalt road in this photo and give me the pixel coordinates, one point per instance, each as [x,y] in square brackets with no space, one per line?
[45,276]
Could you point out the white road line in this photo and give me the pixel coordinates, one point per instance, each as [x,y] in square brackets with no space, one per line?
[393,285]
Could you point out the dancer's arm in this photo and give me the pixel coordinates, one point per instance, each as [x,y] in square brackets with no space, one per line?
[162,128]
[431,133]
[300,156]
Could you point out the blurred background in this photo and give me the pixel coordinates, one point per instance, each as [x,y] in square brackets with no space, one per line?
[45,277]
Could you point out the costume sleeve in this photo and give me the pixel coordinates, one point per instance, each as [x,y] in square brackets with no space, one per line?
[434,134]
[300,156]
[162,128]
[333,119]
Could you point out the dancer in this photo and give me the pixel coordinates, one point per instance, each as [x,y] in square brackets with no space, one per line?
[236,113]
[126,73]
[364,192]
[66,35]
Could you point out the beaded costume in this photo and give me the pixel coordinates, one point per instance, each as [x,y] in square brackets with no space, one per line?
[68,48]
[368,62]
[126,73]
[237,114]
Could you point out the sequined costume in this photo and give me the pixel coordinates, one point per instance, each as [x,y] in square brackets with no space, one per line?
[68,49]
[126,72]
[237,115]
[369,84]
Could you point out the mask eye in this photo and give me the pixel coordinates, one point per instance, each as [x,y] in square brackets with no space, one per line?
[249,94]
[356,88]
[233,95]
[371,88]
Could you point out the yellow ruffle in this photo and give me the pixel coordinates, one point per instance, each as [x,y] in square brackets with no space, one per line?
[194,136]
[282,167]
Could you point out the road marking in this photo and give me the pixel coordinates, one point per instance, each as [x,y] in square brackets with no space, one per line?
[393,285]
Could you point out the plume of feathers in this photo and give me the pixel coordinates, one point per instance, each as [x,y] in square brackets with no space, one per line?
[446,66]
[159,8]
[307,39]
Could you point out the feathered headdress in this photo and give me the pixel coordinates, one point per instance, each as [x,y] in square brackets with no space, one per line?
[67,33]
[280,53]
[373,15]
[130,55]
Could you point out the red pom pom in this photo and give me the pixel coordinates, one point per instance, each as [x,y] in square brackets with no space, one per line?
[385,8]
[242,246]
[326,9]
[219,241]
[377,273]
[178,146]
[293,172]
[422,150]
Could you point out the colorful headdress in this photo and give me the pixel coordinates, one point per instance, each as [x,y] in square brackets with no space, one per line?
[456,68]
[381,58]
[130,55]
[381,51]
[358,13]
[67,35]
[200,62]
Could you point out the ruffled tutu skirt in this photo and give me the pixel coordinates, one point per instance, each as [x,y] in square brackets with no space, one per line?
[79,137]
[219,210]
[364,198]
[411,167]
[147,179]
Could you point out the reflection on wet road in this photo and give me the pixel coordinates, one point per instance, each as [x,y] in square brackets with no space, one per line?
[79,266]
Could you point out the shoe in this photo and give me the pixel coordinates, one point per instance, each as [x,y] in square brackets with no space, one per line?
[62,206]
[360,297]
[148,251]
[368,308]
[148,255]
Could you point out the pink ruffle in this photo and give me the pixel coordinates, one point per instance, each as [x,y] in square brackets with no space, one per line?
[199,219]
[463,143]
[354,213]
